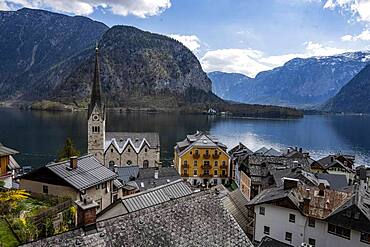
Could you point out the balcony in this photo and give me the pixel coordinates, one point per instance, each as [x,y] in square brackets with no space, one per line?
[206,175]
[215,156]
[185,165]
[196,156]
[223,176]
[223,166]
[206,156]
[184,174]
[208,166]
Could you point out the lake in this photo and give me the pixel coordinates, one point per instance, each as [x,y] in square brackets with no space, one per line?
[40,135]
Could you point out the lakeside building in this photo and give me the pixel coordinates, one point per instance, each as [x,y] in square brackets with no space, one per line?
[117,148]
[75,178]
[168,215]
[8,165]
[202,159]
[312,216]
[336,164]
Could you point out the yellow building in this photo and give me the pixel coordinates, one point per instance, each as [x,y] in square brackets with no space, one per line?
[202,159]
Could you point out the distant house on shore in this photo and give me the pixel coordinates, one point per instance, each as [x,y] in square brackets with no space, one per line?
[117,148]
[75,178]
[8,165]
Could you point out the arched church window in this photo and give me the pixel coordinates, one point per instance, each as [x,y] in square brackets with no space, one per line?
[146,164]
[111,163]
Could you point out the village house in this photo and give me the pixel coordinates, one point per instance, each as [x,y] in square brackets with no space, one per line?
[336,164]
[168,215]
[117,148]
[75,178]
[146,178]
[312,215]
[8,166]
[202,159]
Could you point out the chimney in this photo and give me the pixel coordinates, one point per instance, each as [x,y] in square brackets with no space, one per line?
[306,202]
[321,189]
[155,174]
[331,158]
[73,162]
[300,150]
[290,183]
[86,212]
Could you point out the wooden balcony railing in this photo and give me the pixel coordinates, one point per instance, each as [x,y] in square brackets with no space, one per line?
[185,175]
[206,166]
[215,156]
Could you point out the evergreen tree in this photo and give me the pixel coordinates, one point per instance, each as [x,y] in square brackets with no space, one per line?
[68,150]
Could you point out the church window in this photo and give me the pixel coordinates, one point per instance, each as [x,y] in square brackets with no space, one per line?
[129,162]
[146,164]
[111,163]
[146,150]
[111,150]
[128,150]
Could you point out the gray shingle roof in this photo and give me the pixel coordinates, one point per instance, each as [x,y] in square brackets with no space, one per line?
[6,151]
[126,173]
[135,138]
[270,242]
[89,172]
[336,181]
[165,175]
[199,139]
[195,220]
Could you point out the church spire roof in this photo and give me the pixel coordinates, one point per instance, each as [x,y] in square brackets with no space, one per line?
[96,92]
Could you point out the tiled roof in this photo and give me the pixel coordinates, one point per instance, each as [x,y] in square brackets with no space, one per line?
[318,205]
[137,140]
[195,220]
[267,241]
[6,151]
[89,172]
[199,139]
[336,181]
[127,173]
[236,203]
[13,164]
[165,175]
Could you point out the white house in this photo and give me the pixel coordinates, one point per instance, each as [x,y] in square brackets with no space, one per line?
[312,216]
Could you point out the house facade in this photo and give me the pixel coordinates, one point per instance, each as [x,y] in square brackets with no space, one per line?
[202,159]
[75,178]
[117,148]
[8,165]
[307,215]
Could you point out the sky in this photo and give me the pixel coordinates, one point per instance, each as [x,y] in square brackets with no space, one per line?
[243,36]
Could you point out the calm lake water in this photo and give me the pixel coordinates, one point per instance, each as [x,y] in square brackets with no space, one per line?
[40,135]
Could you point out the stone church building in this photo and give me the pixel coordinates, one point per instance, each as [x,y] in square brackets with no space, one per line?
[117,148]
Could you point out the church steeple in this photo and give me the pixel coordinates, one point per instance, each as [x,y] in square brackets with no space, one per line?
[96,116]
[96,93]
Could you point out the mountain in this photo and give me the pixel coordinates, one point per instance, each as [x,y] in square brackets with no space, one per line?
[354,97]
[34,41]
[135,64]
[228,86]
[302,81]
[48,57]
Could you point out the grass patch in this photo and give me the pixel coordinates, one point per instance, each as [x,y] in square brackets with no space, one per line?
[7,239]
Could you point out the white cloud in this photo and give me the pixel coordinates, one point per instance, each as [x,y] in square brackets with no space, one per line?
[250,62]
[140,8]
[4,6]
[363,36]
[359,8]
[190,41]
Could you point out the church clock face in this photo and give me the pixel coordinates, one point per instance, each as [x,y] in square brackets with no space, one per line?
[95,117]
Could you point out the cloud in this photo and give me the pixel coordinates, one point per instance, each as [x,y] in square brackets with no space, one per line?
[363,36]
[4,6]
[140,8]
[250,62]
[190,41]
[358,8]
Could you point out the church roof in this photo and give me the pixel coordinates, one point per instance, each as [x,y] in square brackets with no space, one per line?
[96,92]
[137,140]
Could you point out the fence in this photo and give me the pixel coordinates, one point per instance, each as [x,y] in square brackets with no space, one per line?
[51,212]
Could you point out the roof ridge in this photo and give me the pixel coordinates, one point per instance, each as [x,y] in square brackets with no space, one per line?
[152,189]
[67,160]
